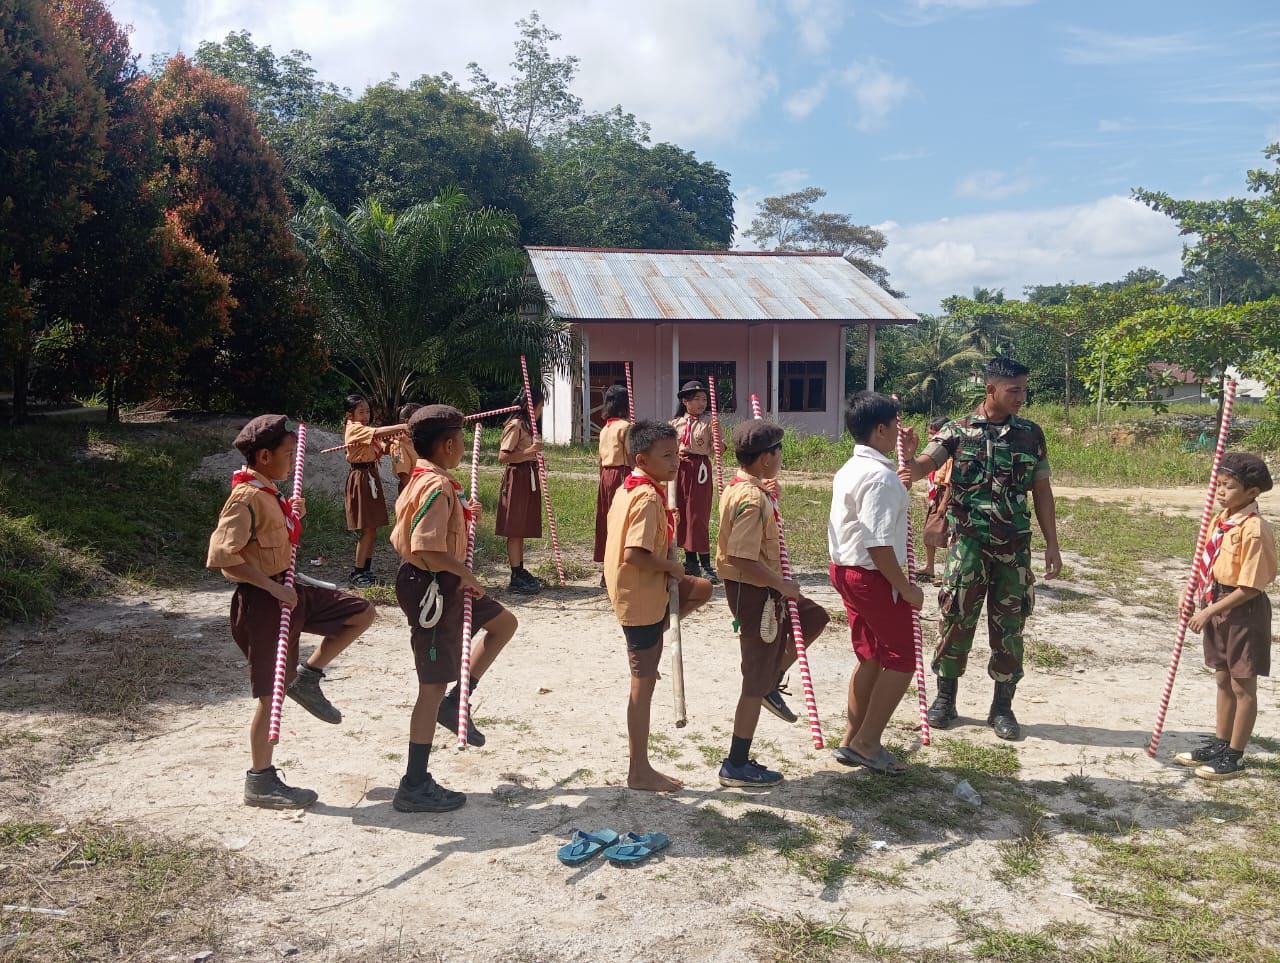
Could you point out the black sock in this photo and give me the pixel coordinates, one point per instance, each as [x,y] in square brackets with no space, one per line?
[368,565]
[739,750]
[415,773]
[308,667]
[471,688]
[517,569]
[690,559]
[705,560]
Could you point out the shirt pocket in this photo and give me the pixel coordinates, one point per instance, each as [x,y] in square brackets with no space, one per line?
[273,543]
[1023,469]
[969,465]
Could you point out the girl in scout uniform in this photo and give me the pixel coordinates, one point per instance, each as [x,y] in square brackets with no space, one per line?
[693,484]
[520,502]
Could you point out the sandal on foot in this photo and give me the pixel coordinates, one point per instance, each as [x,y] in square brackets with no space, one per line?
[883,762]
[846,756]
[585,845]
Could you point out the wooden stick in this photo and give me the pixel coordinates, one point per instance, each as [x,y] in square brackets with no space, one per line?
[677,646]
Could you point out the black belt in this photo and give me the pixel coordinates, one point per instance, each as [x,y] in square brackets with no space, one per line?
[363,465]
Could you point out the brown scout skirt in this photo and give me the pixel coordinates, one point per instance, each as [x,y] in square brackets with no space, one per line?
[765,660]
[936,531]
[693,500]
[365,503]
[520,502]
[611,479]
[1239,640]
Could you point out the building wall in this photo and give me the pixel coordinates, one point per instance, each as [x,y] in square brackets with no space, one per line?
[649,348]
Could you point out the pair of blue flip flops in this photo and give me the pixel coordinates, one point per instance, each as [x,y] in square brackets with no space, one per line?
[620,850]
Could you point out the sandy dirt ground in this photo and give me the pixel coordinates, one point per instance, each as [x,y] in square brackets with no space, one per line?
[483,883]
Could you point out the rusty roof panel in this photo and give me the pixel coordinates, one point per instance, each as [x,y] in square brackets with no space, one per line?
[603,285]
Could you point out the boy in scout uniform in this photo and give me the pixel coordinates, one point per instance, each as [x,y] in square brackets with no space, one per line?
[1237,565]
[430,534]
[639,558]
[253,546]
[998,459]
[749,561]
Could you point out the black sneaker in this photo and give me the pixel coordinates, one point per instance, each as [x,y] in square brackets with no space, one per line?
[709,573]
[362,580]
[430,797]
[1226,765]
[774,702]
[266,790]
[523,582]
[1196,757]
[305,690]
[691,566]
[448,717]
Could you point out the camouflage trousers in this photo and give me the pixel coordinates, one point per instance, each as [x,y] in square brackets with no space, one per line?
[1000,573]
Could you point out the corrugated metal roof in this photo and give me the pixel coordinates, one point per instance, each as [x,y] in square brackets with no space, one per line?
[599,284]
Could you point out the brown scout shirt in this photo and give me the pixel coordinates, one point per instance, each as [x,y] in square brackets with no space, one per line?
[516,438]
[1248,554]
[362,435]
[251,529]
[403,455]
[613,444]
[429,517]
[637,519]
[703,441]
[748,529]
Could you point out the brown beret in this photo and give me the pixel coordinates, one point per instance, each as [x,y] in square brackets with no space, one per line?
[1251,470]
[430,421]
[690,389]
[265,431]
[753,437]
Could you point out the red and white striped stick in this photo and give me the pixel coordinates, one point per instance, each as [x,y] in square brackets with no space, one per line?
[286,611]
[797,633]
[464,673]
[718,446]
[631,395]
[542,472]
[1188,607]
[376,441]
[489,414]
[917,638]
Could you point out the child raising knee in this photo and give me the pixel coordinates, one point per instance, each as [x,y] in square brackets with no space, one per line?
[1238,563]
[639,559]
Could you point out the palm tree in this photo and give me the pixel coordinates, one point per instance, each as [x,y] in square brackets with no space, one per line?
[939,364]
[425,302]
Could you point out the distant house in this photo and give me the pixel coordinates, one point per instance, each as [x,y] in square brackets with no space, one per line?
[772,324]
[1185,387]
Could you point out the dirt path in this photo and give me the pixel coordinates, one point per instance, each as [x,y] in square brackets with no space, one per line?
[483,883]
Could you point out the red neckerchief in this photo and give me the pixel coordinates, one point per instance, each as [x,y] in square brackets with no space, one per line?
[638,478]
[610,421]
[1204,565]
[686,435]
[773,499]
[292,523]
[457,488]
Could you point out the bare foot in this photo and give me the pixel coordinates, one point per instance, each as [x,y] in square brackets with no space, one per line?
[651,780]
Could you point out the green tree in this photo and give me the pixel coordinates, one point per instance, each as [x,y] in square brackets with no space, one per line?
[537,102]
[940,364]
[426,303]
[790,223]
[225,189]
[53,133]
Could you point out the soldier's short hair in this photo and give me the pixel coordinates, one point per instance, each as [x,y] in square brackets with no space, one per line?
[868,409]
[1005,369]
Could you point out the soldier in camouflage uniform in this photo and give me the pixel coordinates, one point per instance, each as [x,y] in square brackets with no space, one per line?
[999,459]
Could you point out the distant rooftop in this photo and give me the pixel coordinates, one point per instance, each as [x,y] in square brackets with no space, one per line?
[612,284]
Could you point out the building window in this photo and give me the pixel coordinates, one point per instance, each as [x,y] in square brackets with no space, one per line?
[725,373]
[802,385]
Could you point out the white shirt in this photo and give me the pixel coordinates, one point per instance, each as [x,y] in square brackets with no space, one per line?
[869,506]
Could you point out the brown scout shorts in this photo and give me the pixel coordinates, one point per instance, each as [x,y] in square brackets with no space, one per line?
[255,625]
[1239,640]
[765,660]
[644,642]
[437,651]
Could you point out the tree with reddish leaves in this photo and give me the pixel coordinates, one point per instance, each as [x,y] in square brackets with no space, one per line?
[53,129]
[225,189]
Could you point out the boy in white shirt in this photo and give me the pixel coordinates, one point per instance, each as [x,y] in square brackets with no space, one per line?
[867,538]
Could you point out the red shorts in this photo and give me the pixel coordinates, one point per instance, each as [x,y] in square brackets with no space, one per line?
[879,627]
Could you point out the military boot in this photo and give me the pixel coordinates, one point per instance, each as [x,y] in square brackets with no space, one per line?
[1001,717]
[943,711]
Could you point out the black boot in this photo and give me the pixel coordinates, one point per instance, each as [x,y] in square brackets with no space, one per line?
[708,570]
[943,711]
[691,563]
[1001,717]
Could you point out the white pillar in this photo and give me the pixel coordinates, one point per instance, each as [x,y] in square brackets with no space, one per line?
[871,357]
[843,334]
[773,390]
[675,358]
[586,387]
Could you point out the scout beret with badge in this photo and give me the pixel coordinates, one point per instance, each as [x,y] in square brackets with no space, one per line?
[265,431]
[754,437]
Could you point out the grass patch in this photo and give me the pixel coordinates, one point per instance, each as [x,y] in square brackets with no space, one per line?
[1044,654]
[123,674]
[991,760]
[128,895]
[798,938]
[1022,857]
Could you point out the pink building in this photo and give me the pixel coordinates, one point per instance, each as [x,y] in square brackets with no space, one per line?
[771,324]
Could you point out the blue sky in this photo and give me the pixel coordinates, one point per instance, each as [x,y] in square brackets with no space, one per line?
[994,141]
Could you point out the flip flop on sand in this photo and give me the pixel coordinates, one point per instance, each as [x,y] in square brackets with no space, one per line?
[640,848]
[883,762]
[583,846]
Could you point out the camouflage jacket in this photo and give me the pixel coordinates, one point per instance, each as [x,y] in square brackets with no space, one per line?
[995,465]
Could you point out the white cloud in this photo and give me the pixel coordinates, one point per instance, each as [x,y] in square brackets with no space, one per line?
[1108,126]
[816,22]
[792,179]
[993,185]
[149,34]
[1096,47]
[693,71]
[804,102]
[913,154]
[1098,241]
[923,13]
[968,4]
[875,91]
